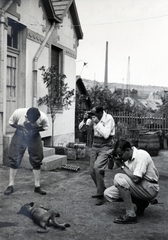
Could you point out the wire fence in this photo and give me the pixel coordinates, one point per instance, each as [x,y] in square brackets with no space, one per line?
[130,125]
[127,125]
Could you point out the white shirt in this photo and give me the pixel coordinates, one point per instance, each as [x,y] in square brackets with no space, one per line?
[19,117]
[142,165]
[104,128]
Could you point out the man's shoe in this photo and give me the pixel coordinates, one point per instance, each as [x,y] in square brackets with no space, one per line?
[126,220]
[117,200]
[154,201]
[9,190]
[97,196]
[100,201]
[39,190]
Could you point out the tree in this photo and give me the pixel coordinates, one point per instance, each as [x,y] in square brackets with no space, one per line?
[111,101]
[103,96]
[58,96]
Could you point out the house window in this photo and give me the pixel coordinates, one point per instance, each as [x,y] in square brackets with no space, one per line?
[11,76]
[57,58]
[12,37]
[56,61]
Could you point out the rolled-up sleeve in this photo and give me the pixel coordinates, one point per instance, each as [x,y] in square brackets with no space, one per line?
[14,118]
[106,129]
[44,121]
[81,125]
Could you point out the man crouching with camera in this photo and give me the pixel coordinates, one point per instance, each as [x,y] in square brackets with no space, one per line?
[137,185]
[104,129]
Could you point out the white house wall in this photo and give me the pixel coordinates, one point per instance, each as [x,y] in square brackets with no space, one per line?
[35,19]
[67,33]
[31,49]
[33,16]
[64,123]
[42,61]
[64,37]
[41,88]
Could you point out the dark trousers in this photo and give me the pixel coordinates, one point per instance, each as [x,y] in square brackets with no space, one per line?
[18,146]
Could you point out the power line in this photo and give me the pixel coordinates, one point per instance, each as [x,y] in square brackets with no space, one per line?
[117,22]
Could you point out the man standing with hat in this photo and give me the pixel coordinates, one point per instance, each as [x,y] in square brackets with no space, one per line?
[104,131]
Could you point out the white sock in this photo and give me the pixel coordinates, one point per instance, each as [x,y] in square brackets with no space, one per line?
[36,177]
[12,174]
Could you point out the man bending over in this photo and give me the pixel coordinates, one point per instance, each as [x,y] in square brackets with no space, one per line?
[28,124]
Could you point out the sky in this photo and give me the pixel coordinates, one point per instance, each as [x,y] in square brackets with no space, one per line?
[135,29]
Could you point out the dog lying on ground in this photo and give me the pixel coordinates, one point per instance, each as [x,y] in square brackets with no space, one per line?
[42,217]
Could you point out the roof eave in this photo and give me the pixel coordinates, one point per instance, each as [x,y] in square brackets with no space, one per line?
[50,11]
[76,20]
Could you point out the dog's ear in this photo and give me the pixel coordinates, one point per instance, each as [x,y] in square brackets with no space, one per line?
[31,204]
[24,211]
[20,211]
[57,214]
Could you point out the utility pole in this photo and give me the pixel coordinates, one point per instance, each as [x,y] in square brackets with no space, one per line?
[106,67]
[128,79]
[94,84]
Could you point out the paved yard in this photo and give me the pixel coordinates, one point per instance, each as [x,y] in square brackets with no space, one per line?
[70,193]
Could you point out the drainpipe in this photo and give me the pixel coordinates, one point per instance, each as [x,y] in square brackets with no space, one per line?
[5,7]
[35,63]
[2,56]
[2,22]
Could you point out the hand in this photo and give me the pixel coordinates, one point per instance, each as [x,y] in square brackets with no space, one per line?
[118,161]
[89,122]
[20,128]
[25,132]
[28,126]
[85,117]
[110,154]
[95,119]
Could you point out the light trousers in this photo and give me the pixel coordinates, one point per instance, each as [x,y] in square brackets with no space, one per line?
[144,190]
[98,163]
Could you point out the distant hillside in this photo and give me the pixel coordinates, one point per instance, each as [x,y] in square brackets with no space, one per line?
[148,96]
[143,91]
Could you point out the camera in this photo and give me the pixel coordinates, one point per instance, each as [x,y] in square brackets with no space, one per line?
[88,118]
[90,114]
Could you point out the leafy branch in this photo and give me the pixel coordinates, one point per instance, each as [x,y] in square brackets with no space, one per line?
[59,96]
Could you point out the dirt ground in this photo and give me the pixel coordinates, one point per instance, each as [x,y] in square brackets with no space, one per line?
[70,193]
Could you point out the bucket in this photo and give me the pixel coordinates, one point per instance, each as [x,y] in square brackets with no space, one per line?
[150,142]
[80,150]
[76,151]
[71,153]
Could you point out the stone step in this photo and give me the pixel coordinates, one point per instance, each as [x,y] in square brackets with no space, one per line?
[50,161]
[46,151]
[53,162]
[163,153]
